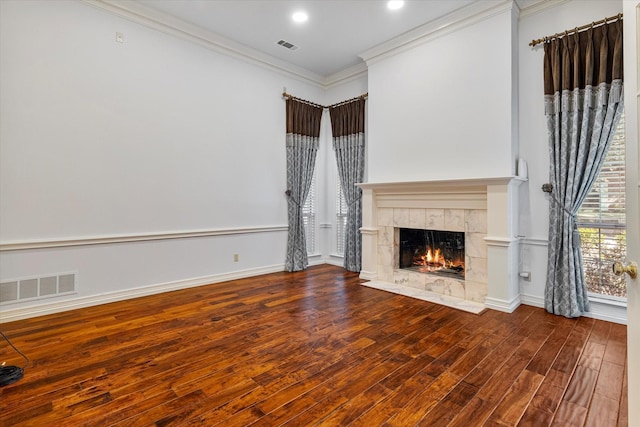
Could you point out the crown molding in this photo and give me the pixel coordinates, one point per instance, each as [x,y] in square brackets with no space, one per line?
[168,24]
[136,12]
[540,6]
[346,75]
[463,17]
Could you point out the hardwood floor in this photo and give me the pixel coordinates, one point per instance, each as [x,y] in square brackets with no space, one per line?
[312,348]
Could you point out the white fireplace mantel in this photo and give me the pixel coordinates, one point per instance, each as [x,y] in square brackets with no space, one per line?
[496,195]
[471,184]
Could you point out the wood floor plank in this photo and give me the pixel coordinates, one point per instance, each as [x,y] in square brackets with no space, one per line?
[419,407]
[610,380]
[603,412]
[569,415]
[517,398]
[476,412]
[542,361]
[352,409]
[450,405]
[535,418]
[395,400]
[581,386]
[546,399]
[312,348]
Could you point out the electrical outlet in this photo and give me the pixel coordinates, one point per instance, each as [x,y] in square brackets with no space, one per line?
[236,257]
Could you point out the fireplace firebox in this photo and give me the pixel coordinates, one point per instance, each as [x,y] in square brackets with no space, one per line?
[432,251]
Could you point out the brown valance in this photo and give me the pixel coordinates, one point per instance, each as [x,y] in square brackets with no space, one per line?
[303,118]
[586,58]
[347,119]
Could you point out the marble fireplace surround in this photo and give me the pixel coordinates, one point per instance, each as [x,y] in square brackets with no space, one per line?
[484,209]
[473,222]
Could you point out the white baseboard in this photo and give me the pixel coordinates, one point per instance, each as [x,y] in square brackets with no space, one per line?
[315,259]
[607,312]
[337,261]
[532,300]
[369,275]
[502,305]
[600,310]
[8,315]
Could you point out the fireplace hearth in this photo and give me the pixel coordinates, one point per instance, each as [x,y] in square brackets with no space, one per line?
[432,251]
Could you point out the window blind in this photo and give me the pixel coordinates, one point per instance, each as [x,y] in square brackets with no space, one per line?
[341,218]
[309,217]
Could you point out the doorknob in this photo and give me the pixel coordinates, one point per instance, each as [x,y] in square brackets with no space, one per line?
[631,269]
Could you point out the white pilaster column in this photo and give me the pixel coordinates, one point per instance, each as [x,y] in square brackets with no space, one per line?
[502,246]
[369,232]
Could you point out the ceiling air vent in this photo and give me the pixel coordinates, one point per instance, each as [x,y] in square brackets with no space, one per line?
[288,45]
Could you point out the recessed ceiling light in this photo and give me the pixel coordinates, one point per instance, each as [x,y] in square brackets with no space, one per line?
[300,16]
[395,4]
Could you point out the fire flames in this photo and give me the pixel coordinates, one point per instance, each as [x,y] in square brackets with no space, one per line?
[435,260]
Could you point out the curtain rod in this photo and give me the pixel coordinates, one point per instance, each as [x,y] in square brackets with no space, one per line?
[575,30]
[337,104]
[288,96]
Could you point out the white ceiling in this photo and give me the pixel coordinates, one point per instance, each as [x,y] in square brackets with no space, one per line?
[329,42]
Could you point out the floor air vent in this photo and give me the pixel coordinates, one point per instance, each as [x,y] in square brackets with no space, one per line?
[288,45]
[37,287]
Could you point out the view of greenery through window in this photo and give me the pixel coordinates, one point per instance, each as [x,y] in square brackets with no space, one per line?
[602,223]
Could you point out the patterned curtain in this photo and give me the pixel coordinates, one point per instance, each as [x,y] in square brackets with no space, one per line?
[347,124]
[583,103]
[303,131]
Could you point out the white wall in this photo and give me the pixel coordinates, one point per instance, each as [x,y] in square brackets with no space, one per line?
[443,109]
[534,204]
[153,135]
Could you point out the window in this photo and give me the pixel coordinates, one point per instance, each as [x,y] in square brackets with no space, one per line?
[309,217]
[602,223]
[341,218]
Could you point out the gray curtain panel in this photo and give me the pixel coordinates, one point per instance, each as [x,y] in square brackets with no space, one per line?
[303,131]
[347,126]
[583,104]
